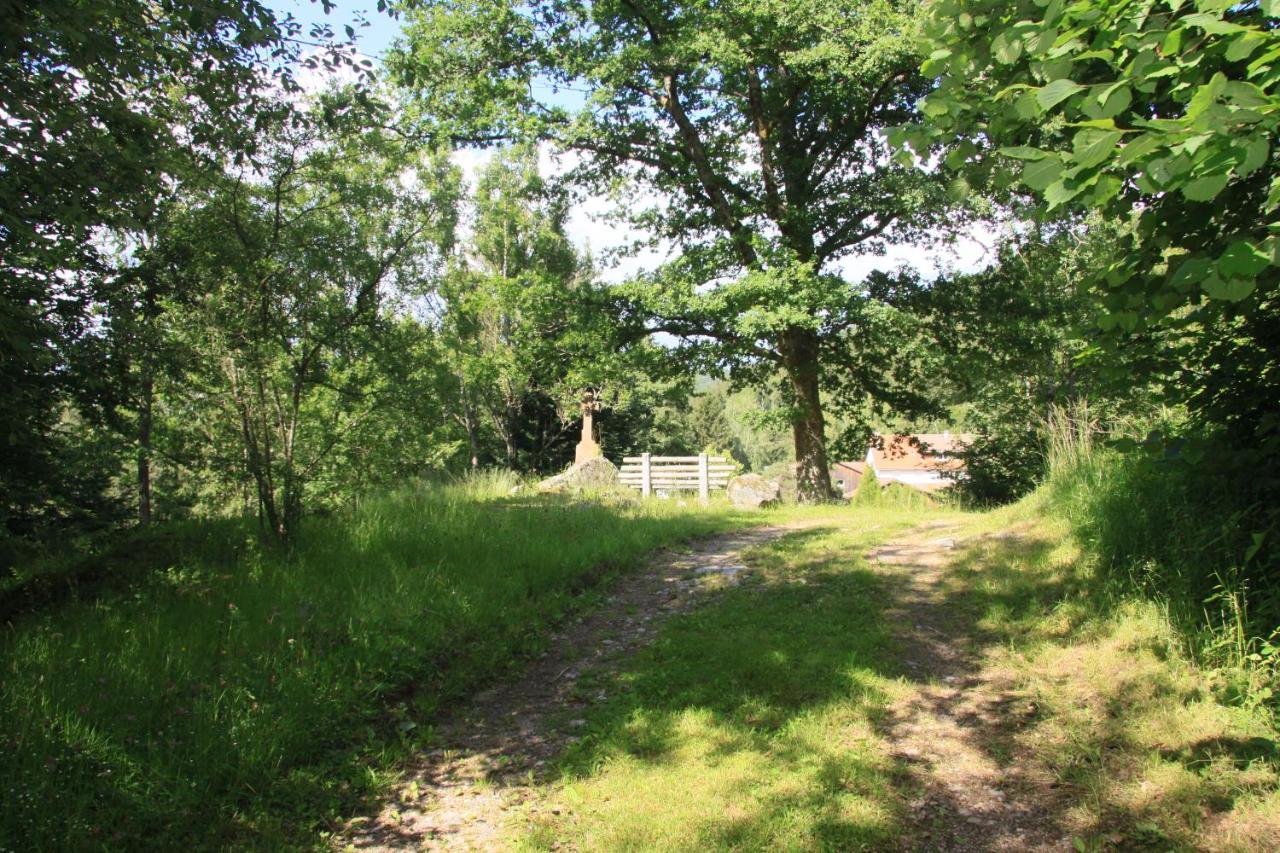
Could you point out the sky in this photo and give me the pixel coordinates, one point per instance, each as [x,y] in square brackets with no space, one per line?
[588,225]
[373,39]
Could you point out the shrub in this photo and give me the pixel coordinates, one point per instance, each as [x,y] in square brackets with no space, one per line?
[1001,467]
[1178,519]
[868,491]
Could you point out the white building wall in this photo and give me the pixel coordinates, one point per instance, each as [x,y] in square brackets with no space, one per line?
[912,478]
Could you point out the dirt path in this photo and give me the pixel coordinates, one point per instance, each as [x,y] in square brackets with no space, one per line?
[960,715]
[464,795]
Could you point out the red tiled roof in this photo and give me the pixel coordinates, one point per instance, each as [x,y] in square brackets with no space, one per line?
[900,453]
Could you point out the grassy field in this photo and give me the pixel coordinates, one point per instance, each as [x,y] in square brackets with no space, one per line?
[238,697]
[758,721]
[232,695]
[1150,747]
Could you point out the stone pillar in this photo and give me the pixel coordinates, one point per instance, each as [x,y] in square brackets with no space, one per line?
[588,447]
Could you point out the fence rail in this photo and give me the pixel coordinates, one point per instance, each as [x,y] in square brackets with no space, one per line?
[677,473]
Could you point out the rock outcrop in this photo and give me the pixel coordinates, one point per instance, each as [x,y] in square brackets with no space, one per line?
[596,474]
[751,491]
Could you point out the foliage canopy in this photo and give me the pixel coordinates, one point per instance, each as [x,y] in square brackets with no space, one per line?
[750,134]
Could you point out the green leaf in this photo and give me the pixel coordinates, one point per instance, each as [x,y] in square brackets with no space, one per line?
[1242,94]
[1117,100]
[1139,147]
[1242,258]
[1040,174]
[1107,92]
[1105,189]
[1228,290]
[1059,194]
[959,189]
[1027,106]
[1006,47]
[1207,95]
[1057,92]
[1242,46]
[934,106]
[1092,148]
[1164,71]
[1252,550]
[1205,188]
[1189,273]
[1015,87]
[1023,152]
[1211,24]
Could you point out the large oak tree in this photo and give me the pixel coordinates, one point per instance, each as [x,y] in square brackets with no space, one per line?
[759,128]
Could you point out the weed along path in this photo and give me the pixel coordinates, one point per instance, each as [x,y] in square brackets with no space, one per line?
[496,751]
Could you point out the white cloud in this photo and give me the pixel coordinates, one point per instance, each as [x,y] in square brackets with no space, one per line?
[594,225]
[971,250]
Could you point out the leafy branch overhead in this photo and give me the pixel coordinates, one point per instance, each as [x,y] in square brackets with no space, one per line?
[1167,111]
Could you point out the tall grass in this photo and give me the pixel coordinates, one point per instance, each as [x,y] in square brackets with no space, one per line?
[1178,528]
[222,702]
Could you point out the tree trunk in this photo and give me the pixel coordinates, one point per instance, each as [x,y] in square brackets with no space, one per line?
[469,420]
[511,449]
[144,449]
[511,424]
[799,350]
[257,445]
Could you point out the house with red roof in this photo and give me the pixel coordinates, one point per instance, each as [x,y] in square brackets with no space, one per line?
[921,461]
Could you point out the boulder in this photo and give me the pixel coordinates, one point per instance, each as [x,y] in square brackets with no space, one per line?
[751,491]
[784,473]
[596,474]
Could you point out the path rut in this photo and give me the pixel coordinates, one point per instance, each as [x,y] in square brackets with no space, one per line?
[483,782]
[964,797]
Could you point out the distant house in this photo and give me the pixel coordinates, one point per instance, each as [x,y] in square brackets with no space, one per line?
[919,461]
[845,476]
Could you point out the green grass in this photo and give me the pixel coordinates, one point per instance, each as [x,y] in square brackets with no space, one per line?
[230,696]
[1192,531]
[751,722]
[1143,746]
[239,696]
[755,721]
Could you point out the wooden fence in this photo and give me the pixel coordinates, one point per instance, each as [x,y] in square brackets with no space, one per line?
[677,473]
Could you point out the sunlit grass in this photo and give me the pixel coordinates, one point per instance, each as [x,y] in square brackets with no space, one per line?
[1134,734]
[236,696]
[216,701]
[751,722]
[754,722]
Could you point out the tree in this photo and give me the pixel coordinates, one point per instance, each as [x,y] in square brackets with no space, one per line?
[760,125]
[508,299]
[105,105]
[1012,335]
[1163,114]
[708,421]
[298,257]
